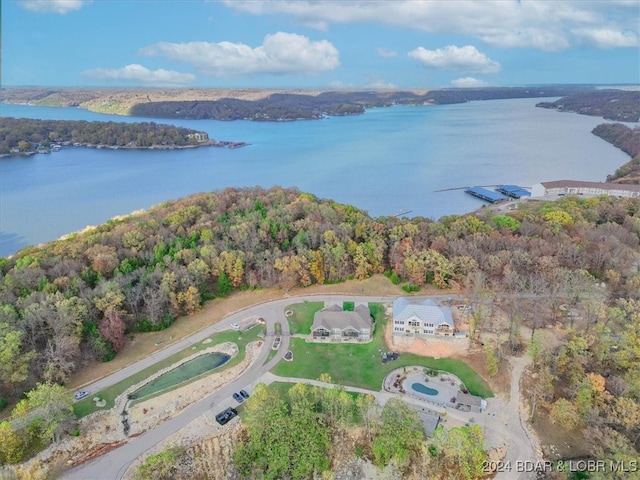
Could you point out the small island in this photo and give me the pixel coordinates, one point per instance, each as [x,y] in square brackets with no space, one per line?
[23,136]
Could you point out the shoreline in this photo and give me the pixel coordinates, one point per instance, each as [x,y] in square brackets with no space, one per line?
[53,149]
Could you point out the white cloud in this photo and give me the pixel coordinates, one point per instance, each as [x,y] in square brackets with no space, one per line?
[466,58]
[540,24]
[606,37]
[386,53]
[280,53]
[468,82]
[60,7]
[142,75]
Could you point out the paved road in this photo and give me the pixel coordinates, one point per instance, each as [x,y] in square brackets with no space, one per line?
[273,309]
[114,464]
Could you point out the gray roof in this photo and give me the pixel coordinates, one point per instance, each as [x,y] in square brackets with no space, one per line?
[581,184]
[468,399]
[334,317]
[426,311]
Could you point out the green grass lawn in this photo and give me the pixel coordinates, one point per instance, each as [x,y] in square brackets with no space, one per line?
[86,406]
[359,365]
[302,319]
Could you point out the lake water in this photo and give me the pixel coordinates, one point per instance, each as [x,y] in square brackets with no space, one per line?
[384,161]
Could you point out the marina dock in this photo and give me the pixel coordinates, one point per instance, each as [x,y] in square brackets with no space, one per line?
[486,195]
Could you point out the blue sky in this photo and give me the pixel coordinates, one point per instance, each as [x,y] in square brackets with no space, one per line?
[319,44]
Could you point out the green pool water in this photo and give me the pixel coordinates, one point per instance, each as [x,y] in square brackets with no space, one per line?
[185,372]
[419,387]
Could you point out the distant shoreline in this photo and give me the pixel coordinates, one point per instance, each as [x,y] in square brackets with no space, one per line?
[211,143]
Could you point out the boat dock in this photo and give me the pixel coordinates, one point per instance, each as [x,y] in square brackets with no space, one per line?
[513,191]
[486,195]
[502,193]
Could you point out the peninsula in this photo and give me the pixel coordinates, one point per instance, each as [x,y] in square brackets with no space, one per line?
[22,136]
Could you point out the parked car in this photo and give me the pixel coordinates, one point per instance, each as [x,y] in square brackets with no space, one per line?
[235,326]
[244,394]
[81,394]
[226,415]
[238,398]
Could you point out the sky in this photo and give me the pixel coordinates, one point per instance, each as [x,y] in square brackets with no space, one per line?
[410,44]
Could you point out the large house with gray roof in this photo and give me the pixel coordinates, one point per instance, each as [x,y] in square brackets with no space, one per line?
[336,324]
[424,318]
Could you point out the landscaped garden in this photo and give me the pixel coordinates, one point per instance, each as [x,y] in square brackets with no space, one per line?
[241,339]
[359,365]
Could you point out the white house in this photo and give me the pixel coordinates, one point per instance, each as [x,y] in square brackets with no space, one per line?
[575,187]
[424,318]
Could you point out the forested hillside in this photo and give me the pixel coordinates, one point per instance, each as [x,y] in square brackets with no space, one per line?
[71,302]
[628,140]
[618,105]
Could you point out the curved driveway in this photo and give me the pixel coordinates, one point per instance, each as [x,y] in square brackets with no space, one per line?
[114,464]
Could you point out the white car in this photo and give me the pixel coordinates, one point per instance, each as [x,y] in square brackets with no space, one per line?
[235,326]
[81,394]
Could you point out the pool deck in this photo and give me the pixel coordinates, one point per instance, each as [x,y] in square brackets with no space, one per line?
[401,380]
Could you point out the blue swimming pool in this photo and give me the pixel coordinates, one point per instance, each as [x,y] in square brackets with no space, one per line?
[421,388]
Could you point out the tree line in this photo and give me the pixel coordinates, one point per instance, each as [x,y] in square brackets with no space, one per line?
[26,134]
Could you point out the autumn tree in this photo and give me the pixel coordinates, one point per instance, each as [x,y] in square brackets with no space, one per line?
[49,406]
[398,434]
[14,362]
[286,437]
[458,453]
[565,413]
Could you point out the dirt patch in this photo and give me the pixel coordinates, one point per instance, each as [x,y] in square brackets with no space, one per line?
[555,441]
[501,382]
[426,347]
[210,456]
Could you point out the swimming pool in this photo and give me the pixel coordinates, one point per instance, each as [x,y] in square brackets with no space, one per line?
[421,388]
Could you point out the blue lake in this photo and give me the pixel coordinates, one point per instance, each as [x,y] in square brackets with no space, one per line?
[384,161]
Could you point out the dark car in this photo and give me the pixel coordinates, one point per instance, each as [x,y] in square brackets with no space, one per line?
[238,398]
[226,415]
[244,394]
